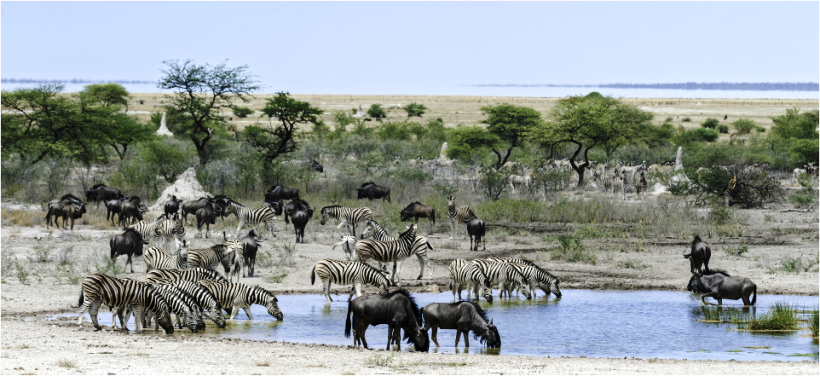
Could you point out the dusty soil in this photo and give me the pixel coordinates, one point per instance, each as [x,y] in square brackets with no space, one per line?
[32,344]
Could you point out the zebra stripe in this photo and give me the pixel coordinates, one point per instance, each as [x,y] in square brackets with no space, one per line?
[115,292]
[203,298]
[182,305]
[467,274]
[349,216]
[506,276]
[419,247]
[461,215]
[157,258]
[191,275]
[238,295]
[170,232]
[387,251]
[210,258]
[145,229]
[536,276]
[252,217]
[348,273]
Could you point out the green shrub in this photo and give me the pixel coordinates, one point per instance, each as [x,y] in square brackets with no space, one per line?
[414,109]
[242,112]
[814,323]
[744,126]
[710,123]
[686,119]
[723,129]
[376,111]
[781,316]
[703,134]
[572,249]
[668,119]
[737,251]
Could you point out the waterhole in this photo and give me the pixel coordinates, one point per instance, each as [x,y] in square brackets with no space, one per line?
[640,324]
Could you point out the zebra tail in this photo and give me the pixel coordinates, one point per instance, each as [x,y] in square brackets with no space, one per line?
[347,322]
[80,304]
[313,275]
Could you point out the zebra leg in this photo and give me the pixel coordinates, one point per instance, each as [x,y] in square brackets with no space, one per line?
[139,316]
[114,313]
[248,312]
[452,229]
[83,309]
[422,262]
[234,311]
[92,311]
[241,222]
[326,288]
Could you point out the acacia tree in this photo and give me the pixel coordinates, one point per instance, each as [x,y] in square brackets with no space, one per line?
[510,124]
[590,122]
[274,140]
[121,130]
[200,91]
[109,94]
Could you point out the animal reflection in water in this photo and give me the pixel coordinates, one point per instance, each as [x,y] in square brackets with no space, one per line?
[397,309]
[463,317]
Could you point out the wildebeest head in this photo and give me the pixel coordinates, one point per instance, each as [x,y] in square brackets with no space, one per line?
[316,166]
[422,340]
[493,339]
[695,284]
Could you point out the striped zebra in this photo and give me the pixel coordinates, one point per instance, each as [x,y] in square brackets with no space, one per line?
[210,258]
[348,244]
[347,216]
[348,273]
[617,182]
[387,251]
[536,276]
[145,229]
[419,247]
[461,215]
[505,275]
[467,274]
[182,305]
[157,258]
[252,217]
[237,295]
[171,232]
[203,298]
[115,292]
[191,275]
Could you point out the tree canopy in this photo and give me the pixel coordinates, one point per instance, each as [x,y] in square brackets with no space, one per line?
[274,140]
[414,109]
[109,94]
[509,124]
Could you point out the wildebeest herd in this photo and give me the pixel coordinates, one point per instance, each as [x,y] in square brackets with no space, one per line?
[185,282]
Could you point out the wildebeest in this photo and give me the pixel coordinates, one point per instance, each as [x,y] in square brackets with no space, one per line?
[114,207]
[720,285]
[131,210]
[67,207]
[463,317]
[249,248]
[372,191]
[207,215]
[101,193]
[279,192]
[698,255]
[476,228]
[171,206]
[190,207]
[292,207]
[418,210]
[396,309]
[128,243]
[300,220]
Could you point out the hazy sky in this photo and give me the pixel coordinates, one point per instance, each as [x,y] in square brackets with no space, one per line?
[417,48]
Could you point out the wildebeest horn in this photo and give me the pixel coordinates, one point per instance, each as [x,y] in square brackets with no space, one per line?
[224,237]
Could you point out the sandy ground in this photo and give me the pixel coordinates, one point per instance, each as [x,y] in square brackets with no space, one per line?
[40,346]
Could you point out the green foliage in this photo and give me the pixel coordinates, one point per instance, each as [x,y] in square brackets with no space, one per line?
[594,95]
[737,251]
[466,143]
[342,120]
[494,182]
[572,249]
[394,130]
[687,137]
[276,278]
[749,190]
[242,112]
[274,140]
[744,126]
[510,124]
[198,91]
[710,123]
[376,111]
[797,264]
[109,94]
[167,157]
[803,151]
[686,119]
[814,323]
[796,125]
[436,130]
[414,109]
[723,129]
[362,130]
[668,119]
[780,316]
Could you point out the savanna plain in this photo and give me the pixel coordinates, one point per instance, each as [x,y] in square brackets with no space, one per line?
[587,238]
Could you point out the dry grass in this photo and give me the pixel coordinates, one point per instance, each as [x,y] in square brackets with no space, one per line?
[22,218]
[67,363]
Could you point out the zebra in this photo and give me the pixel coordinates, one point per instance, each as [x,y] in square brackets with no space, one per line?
[183,306]
[504,274]
[467,274]
[386,251]
[252,217]
[115,292]
[536,276]
[348,243]
[348,273]
[238,295]
[419,247]
[145,229]
[640,185]
[209,258]
[157,258]
[192,275]
[461,215]
[617,182]
[170,231]
[349,216]
[203,297]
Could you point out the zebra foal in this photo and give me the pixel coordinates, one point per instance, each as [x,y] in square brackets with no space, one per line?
[238,295]
[348,273]
[461,215]
[100,289]
[348,216]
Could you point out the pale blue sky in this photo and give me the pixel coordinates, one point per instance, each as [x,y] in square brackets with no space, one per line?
[418,48]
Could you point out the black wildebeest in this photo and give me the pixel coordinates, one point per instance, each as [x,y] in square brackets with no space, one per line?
[418,210]
[190,207]
[476,228]
[71,211]
[316,166]
[292,207]
[128,243]
[131,210]
[372,191]
[698,255]
[171,206]
[206,215]
[720,285]
[279,192]
[101,193]
[396,309]
[114,207]
[56,208]
[463,317]
[300,220]
[249,248]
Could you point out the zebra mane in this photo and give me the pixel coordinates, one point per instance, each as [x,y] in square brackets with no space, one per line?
[97,186]
[411,204]
[259,289]
[413,305]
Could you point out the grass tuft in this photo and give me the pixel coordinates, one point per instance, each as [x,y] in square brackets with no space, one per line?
[780,316]
[67,363]
[380,360]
